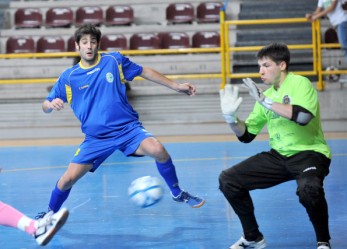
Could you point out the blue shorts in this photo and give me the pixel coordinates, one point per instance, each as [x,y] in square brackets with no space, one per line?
[96,150]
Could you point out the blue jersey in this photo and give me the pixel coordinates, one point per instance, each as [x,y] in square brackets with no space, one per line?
[97,94]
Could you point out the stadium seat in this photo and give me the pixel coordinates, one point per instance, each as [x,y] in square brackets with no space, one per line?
[174,40]
[208,12]
[71,44]
[180,13]
[27,18]
[93,15]
[50,44]
[206,39]
[20,44]
[114,42]
[119,15]
[59,17]
[143,41]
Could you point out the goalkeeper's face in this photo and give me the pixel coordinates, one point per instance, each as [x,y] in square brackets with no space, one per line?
[270,72]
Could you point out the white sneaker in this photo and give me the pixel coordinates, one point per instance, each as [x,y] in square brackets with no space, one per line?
[242,243]
[49,225]
[323,245]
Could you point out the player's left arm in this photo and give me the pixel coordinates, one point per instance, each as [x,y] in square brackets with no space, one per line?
[296,113]
[154,76]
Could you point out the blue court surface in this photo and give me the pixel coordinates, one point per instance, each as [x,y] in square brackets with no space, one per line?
[102,217]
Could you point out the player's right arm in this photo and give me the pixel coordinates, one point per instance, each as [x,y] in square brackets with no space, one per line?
[58,95]
[56,105]
[230,102]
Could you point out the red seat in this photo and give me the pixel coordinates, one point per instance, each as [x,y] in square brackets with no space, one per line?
[59,17]
[180,13]
[20,44]
[27,18]
[71,47]
[206,39]
[50,44]
[174,40]
[119,15]
[143,41]
[114,42]
[208,12]
[93,15]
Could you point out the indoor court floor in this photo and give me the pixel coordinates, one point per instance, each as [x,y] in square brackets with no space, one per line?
[101,216]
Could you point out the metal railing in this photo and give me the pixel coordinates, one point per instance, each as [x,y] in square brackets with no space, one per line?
[231,48]
[225,50]
[320,47]
[124,52]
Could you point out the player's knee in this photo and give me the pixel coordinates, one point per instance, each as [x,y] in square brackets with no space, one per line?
[159,152]
[310,191]
[227,181]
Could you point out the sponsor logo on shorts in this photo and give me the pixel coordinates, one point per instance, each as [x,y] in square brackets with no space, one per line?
[310,168]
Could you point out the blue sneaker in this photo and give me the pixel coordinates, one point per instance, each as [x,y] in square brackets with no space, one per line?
[193,201]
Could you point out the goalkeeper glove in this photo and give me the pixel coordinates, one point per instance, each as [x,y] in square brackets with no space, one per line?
[230,102]
[257,93]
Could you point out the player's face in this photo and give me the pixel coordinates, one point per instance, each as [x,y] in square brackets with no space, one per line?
[270,72]
[88,48]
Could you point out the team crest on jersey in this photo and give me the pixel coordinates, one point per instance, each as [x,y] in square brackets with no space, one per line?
[286,100]
[109,77]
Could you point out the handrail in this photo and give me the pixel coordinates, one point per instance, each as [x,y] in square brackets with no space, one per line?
[230,48]
[320,46]
[124,52]
[225,49]
[222,46]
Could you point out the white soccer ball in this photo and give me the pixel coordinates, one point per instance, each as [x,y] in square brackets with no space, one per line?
[145,191]
[332,77]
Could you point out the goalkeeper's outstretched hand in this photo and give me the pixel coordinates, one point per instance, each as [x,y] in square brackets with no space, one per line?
[230,102]
[257,93]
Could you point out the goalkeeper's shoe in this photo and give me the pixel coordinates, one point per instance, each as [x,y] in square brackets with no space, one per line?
[323,245]
[191,200]
[49,225]
[242,243]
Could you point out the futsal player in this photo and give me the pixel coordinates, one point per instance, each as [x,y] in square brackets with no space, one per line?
[95,88]
[290,109]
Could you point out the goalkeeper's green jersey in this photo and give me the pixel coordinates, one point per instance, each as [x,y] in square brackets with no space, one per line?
[286,136]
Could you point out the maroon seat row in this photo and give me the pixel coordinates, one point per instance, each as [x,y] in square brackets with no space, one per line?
[65,16]
[114,15]
[116,42]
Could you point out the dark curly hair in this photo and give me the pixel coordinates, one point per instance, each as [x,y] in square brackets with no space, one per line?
[87,29]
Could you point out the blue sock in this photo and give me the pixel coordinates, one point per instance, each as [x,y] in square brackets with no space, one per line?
[57,198]
[168,172]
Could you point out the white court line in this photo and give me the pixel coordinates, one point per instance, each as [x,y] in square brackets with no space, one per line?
[80,205]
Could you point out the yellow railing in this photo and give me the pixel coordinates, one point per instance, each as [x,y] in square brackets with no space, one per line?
[225,51]
[320,47]
[230,48]
[124,52]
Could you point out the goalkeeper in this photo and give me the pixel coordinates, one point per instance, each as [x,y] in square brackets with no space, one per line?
[290,109]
